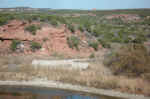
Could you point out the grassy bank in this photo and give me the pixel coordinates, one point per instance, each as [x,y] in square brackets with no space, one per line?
[97,75]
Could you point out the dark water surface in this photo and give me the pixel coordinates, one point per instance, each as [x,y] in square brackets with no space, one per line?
[16,92]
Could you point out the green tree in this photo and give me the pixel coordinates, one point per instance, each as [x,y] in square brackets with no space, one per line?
[14,44]
[35,46]
[73,41]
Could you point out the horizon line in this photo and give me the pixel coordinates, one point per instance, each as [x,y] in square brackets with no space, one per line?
[71,8]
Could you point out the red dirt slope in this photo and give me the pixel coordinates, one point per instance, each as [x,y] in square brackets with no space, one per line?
[52,39]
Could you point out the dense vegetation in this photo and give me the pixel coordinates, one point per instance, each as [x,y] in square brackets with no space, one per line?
[131,59]
[106,31]
[94,45]
[73,42]
[32,29]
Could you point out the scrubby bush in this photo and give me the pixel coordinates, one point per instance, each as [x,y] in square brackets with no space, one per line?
[131,60]
[54,19]
[88,26]
[43,18]
[54,22]
[127,40]
[60,19]
[92,55]
[3,21]
[73,41]
[14,44]
[71,28]
[139,39]
[81,28]
[94,44]
[45,39]
[104,43]
[35,46]
[96,32]
[32,29]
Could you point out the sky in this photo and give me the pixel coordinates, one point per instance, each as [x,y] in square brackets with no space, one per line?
[77,4]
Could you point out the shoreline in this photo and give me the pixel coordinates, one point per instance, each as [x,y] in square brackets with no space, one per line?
[66,86]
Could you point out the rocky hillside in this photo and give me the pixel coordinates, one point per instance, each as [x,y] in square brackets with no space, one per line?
[67,32]
[16,37]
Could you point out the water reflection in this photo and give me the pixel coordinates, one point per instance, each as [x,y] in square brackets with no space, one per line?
[81,97]
[36,93]
[43,96]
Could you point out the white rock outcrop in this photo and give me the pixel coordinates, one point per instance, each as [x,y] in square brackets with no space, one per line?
[60,63]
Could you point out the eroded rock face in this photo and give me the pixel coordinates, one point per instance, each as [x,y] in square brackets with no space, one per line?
[5,47]
[52,40]
[15,30]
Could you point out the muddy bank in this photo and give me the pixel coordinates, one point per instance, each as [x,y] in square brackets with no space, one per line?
[64,86]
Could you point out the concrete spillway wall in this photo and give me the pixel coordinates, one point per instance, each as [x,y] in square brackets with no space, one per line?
[72,63]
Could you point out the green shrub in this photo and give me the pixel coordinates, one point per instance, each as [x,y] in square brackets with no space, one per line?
[88,26]
[32,29]
[45,39]
[54,22]
[43,18]
[96,32]
[35,46]
[71,28]
[3,21]
[92,55]
[30,20]
[127,40]
[139,39]
[94,45]
[105,44]
[131,60]
[73,41]
[81,28]
[14,44]
[117,40]
[62,20]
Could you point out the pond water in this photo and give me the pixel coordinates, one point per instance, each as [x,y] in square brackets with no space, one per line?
[16,92]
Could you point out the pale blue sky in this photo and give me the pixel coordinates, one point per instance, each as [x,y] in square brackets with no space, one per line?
[77,4]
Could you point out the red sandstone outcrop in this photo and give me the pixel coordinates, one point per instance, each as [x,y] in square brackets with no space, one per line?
[53,40]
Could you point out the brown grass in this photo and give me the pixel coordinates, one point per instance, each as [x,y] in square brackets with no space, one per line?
[131,60]
[97,75]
